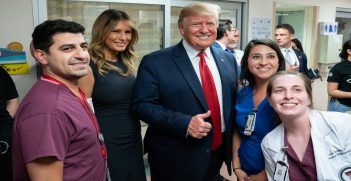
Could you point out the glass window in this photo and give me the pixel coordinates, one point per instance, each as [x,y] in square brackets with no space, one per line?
[295,19]
[149,19]
[175,35]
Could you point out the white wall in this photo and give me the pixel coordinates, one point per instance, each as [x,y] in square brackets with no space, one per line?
[265,8]
[259,9]
[327,8]
[16,18]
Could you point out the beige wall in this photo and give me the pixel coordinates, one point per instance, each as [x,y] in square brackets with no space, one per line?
[265,9]
[16,19]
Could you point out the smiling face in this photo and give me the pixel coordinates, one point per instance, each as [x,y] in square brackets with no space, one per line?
[199,31]
[263,62]
[118,39]
[67,58]
[289,96]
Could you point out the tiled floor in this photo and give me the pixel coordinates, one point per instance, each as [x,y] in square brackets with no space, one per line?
[320,101]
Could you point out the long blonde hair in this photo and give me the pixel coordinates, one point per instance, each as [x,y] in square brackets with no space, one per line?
[102,27]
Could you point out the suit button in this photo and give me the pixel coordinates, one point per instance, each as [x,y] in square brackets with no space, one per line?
[208,150]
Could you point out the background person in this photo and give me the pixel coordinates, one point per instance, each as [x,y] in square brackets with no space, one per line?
[296,44]
[261,60]
[225,33]
[190,128]
[238,54]
[294,60]
[8,107]
[228,38]
[110,84]
[339,84]
[309,144]
[56,136]
[225,37]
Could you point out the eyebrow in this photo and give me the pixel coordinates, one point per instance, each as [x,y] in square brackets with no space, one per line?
[271,53]
[84,43]
[72,44]
[294,86]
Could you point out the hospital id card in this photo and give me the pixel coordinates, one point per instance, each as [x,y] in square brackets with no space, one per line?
[250,123]
[281,169]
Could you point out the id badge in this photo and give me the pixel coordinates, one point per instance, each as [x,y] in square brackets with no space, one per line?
[281,169]
[250,123]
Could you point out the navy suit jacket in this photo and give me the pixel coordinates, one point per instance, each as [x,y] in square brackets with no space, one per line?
[166,95]
[215,44]
[238,69]
[302,60]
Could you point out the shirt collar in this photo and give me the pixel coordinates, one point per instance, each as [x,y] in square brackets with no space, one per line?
[283,49]
[193,53]
[221,44]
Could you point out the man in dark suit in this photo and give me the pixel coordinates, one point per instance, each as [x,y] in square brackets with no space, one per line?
[225,35]
[295,60]
[226,40]
[188,138]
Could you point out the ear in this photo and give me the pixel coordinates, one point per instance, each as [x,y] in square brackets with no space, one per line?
[181,28]
[40,55]
[226,33]
[291,36]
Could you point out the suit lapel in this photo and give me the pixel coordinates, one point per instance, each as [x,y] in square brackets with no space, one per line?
[299,58]
[222,67]
[183,62]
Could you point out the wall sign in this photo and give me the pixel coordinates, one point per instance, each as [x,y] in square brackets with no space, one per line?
[13,59]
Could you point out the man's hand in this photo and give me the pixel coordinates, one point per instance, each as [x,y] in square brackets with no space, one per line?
[198,127]
[293,68]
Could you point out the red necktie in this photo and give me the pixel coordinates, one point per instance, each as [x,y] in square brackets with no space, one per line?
[211,97]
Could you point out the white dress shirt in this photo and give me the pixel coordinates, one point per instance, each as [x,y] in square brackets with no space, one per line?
[289,52]
[195,61]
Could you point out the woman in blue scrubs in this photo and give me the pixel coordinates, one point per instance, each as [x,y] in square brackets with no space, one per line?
[254,115]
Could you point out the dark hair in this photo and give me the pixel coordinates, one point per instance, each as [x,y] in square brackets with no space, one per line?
[287,27]
[303,77]
[298,44]
[343,54]
[245,74]
[43,33]
[224,25]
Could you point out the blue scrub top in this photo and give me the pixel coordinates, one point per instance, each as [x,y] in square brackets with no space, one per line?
[250,153]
